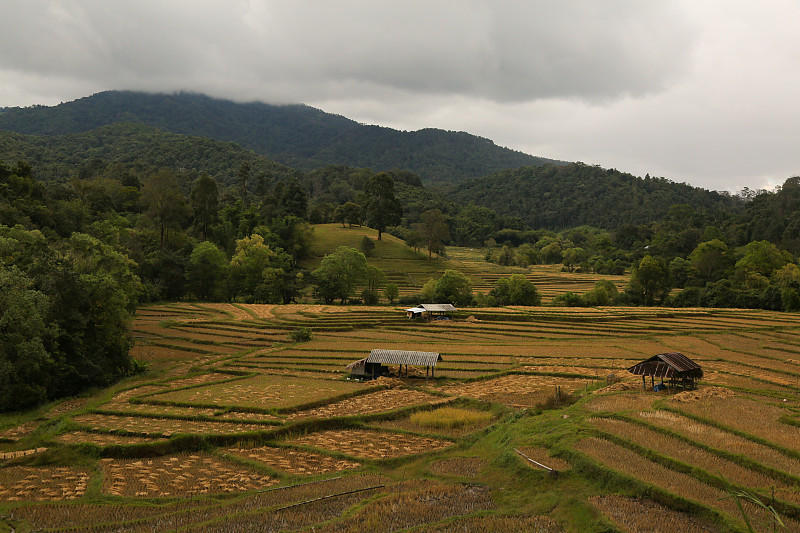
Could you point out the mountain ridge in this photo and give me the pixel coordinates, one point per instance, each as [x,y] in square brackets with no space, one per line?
[295,135]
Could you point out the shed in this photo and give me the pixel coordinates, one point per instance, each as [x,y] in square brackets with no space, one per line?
[429,310]
[679,370]
[415,312]
[362,368]
[372,365]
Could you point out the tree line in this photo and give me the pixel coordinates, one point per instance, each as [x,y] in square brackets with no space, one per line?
[76,257]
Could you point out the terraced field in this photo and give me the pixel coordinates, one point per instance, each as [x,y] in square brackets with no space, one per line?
[410,270]
[235,428]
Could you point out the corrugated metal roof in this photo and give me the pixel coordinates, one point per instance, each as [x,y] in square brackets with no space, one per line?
[402,357]
[665,365]
[438,308]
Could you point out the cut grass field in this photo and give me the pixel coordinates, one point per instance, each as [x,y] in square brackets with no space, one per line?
[236,428]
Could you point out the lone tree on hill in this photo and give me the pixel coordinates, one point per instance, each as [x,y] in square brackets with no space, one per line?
[433,230]
[382,207]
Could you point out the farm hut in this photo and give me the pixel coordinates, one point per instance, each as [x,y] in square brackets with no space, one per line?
[679,370]
[363,369]
[415,312]
[431,310]
[373,365]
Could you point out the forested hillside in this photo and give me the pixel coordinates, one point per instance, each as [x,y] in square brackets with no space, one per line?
[566,196]
[772,216]
[137,148]
[296,135]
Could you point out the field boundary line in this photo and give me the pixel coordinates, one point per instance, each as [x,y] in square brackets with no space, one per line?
[298,484]
[328,497]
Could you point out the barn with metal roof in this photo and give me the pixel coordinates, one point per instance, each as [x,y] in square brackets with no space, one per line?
[676,368]
[429,310]
[373,365]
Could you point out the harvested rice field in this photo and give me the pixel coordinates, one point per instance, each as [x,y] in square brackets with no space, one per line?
[367,444]
[22,483]
[102,439]
[375,402]
[295,462]
[162,426]
[264,392]
[642,515]
[458,466]
[517,390]
[235,427]
[179,475]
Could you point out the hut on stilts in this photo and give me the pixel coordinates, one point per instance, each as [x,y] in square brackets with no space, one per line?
[676,368]
[372,366]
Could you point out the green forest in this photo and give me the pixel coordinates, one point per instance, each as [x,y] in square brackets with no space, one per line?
[295,135]
[94,222]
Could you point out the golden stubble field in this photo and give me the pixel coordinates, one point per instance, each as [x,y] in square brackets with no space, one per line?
[235,428]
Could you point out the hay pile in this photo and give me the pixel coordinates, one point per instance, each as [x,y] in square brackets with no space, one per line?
[620,386]
[700,394]
[389,382]
[413,372]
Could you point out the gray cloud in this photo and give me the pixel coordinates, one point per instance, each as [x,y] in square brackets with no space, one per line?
[504,51]
[702,91]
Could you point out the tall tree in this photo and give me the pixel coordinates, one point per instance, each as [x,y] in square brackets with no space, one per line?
[205,203]
[434,230]
[164,201]
[247,265]
[26,368]
[711,259]
[452,287]
[339,273]
[515,290]
[649,280]
[382,207]
[293,200]
[242,177]
[205,271]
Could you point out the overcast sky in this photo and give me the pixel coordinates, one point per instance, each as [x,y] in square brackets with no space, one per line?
[706,92]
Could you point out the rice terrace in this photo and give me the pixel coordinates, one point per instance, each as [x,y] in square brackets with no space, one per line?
[531,423]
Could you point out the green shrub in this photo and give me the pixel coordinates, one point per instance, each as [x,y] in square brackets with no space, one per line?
[301,335]
[369,297]
[391,292]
